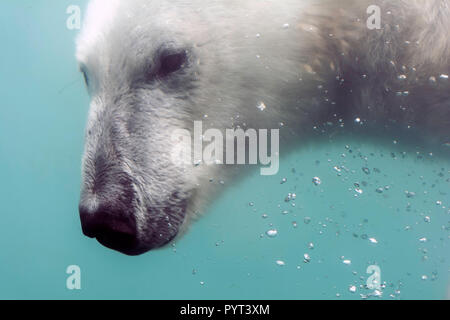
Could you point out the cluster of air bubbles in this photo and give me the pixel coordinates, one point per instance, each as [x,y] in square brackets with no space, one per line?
[290,196]
[358,189]
[354,179]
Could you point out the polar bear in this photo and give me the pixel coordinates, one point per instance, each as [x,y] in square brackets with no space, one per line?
[155,66]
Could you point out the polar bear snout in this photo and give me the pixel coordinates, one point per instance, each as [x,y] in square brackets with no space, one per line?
[122,214]
[112,227]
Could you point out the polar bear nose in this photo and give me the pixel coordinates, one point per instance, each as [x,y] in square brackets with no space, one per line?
[111,228]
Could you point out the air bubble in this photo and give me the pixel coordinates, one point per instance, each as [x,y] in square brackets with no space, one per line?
[272,233]
[261,106]
[281,263]
[410,194]
[307,258]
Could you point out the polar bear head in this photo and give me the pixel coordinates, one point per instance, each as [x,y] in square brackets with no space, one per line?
[152,67]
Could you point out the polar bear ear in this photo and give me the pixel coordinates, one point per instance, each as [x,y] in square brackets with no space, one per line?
[170,62]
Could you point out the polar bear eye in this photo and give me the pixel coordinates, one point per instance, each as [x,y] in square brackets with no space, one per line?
[171,62]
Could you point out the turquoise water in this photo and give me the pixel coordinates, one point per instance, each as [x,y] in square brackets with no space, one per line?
[226,254]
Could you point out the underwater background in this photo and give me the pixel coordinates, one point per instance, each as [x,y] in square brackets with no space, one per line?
[378,202]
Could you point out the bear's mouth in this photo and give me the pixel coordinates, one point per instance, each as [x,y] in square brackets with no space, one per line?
[116,234]
[123,242]
[124,237]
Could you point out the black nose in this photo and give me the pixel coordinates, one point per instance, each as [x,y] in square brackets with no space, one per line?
[112,227]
